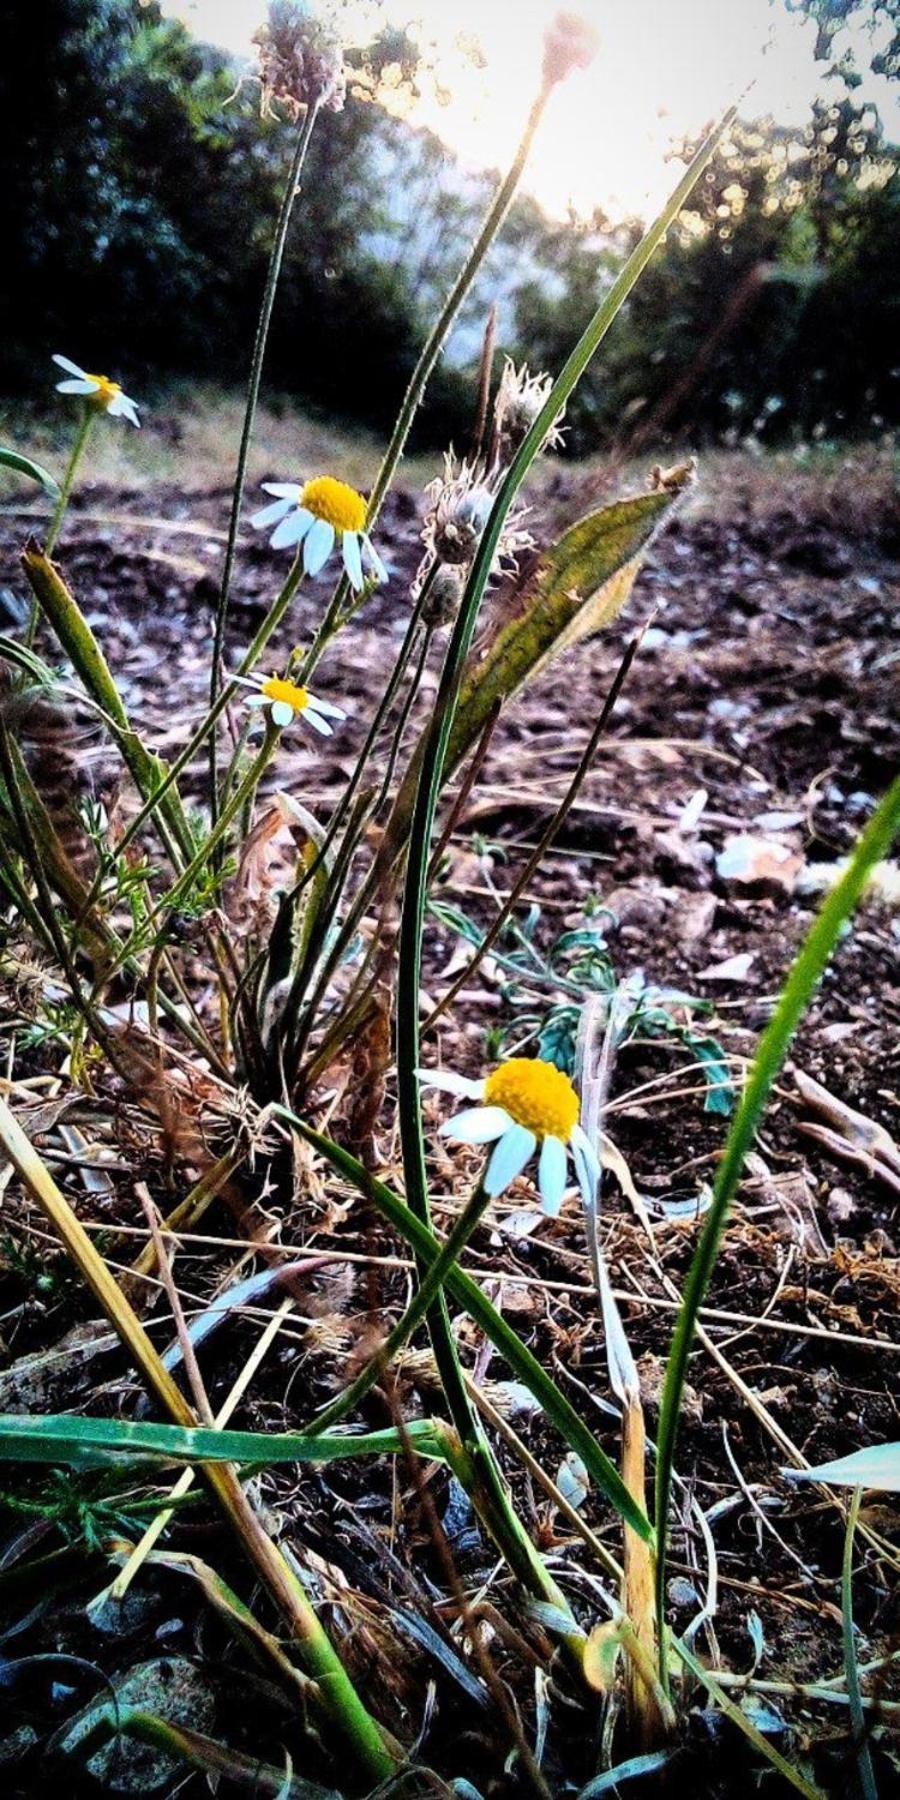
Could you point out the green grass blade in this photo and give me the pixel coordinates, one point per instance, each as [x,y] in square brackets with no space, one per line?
[851,1667]
[89,1443]
[34,471]
[796,995]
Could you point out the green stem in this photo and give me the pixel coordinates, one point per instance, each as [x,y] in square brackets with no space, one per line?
[256,368]
[796,995]
[432,768]
[413,1316]
[269,625]
[241,794]
[854,1692]
[439,333]
[88,415]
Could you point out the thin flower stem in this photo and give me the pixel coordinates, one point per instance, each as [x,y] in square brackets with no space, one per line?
[256,368]
[400,1333]
[431,775]
[340,812]
[241,794]
[88,415]
[269,625]
[440,331]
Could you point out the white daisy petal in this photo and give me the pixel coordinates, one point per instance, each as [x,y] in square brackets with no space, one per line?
[250,681]
[64,362]
[294,527]
[318,724]
[286,490]
[269,515]
[256,700]
[374,560]
[509,1158]
[451,1083]
[325,707]
[478,1125]
[282,714]
[352,559]
[76,387]
[120,407]
[318,547]
[552,1174]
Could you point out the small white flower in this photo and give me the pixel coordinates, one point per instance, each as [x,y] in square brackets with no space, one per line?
[286,701]
[525,1103]
[99,390]
[316,515]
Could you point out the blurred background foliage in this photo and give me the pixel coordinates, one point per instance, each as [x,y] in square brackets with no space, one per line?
[138,187]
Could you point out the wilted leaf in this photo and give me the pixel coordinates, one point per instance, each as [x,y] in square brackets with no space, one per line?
[601,1656]
[578,588]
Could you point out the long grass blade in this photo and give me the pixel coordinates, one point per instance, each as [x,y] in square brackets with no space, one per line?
[798,991]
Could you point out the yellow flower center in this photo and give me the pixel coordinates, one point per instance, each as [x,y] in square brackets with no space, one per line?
[287,692]
[105,392]
[335,502]
[535,1094]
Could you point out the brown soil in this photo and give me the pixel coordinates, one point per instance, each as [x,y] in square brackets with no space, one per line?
[768,678]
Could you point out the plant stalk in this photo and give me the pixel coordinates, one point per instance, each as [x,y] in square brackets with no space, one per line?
[256,367]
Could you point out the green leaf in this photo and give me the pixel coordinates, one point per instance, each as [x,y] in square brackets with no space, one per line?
[96,1443]
[878,1467]
[23,465]
[579,587]
[719,1086]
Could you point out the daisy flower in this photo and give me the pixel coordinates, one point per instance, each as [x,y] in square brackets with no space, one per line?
[315,515]
[99,390]
[287,701]
[524,1103]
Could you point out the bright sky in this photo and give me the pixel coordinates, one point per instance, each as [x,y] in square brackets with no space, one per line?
[665,67]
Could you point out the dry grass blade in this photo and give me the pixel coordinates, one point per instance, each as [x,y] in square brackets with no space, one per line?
[336,1691]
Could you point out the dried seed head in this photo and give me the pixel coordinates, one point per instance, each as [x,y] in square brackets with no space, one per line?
[520,398]
[301,60]
[569,43]
[461,501]
[459,510]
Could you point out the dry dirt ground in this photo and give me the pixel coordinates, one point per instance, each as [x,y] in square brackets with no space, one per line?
[767,682]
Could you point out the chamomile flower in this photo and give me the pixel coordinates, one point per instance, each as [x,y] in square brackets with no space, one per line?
[98,390]
[316,514]
[524,1104]
[286,701]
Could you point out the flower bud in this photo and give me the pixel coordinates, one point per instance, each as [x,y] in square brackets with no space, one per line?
[445,589]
